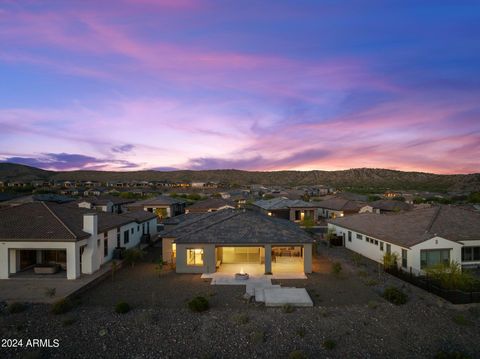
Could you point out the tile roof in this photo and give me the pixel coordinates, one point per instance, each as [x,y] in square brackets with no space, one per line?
[390,205]
[36,220]
[99,201]
[409,228]
[340,204]
[139,216]
[159,200]
[283,203]
[210,203]
[237,227]
[51,221]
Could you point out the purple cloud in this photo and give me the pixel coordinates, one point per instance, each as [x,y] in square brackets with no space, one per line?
[123,148]
[259,162]
[68,161]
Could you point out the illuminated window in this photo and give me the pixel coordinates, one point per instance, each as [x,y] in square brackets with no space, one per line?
[195,257]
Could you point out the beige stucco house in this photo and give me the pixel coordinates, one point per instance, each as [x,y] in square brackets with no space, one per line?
[229,240]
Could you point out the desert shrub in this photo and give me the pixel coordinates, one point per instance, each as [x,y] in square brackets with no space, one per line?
[371,282]
[362,273]
[395,295]
[159,266]
[198,304]
[50,292]
[133,255]
[301,331]
[122,308]
[390,261]
[258,336]
[287,308]
[61,306]
[372,304]
[16,307]
[336,268]
[451,276]
[461,320]
[297,354]
[357,259]
[241,318]
[329,344]
[474,311]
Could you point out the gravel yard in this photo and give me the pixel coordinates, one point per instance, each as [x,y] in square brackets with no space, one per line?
[349,319]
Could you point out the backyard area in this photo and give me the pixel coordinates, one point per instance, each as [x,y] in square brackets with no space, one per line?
[350,318]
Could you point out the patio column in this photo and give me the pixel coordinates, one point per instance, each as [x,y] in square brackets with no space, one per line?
[73,261]
[268,258]
[3,261]
[14,260]
[307,258]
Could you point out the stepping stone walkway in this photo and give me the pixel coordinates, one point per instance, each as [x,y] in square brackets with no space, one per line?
[261,287]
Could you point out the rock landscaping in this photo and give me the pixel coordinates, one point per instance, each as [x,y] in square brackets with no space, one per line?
[349,319]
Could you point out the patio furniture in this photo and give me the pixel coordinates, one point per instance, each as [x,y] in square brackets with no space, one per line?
[46,268]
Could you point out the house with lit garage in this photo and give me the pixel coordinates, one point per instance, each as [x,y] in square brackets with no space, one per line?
[230,240]
[47,238]
[281,207]
[421,238]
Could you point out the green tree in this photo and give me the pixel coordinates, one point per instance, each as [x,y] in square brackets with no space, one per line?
[133,255]
[161,212]
[474,197]
[451,276]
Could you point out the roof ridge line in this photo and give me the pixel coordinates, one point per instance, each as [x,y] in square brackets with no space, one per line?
[58,219]
[210,225]
[433,220]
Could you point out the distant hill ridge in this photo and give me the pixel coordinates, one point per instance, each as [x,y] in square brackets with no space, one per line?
[358,177]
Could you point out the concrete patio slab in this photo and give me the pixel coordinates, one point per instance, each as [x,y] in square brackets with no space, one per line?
[277,297]
[33,288]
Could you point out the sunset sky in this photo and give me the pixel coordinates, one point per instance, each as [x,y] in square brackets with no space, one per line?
[257,85]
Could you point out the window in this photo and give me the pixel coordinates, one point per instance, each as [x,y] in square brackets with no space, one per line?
[132,230]
[118,238]
[195,257]
[470,254]
[349,236]
[126,237]
[98,242]
[376,242]
[432,257]
[138,228]
[381,246]
[359,236]
[105,246]
[404,258]
[389,248]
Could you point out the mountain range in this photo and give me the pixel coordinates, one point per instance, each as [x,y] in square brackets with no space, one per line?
[360,178]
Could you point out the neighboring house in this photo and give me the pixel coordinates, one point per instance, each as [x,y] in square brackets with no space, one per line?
[47,197]
[75,239]
[233,238]
[106,204]
[386,206]
[97,191]
[210,205]
[162,206]
[338,207]
[293,210]
[72,191]
[167,224]
[421,238]
[352,196]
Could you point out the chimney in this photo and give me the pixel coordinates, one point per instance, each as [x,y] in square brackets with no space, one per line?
[90,223]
